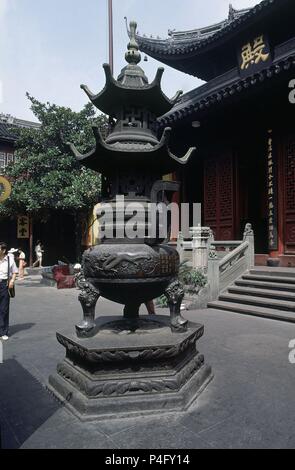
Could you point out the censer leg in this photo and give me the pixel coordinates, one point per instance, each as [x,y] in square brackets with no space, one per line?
[131,311]
[131,316]
[174,294]
[88,298]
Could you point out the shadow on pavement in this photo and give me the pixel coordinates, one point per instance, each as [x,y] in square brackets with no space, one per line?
[21,327]
[24,404]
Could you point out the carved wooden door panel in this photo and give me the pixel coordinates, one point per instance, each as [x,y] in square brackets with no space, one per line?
[218,196]
[289,195]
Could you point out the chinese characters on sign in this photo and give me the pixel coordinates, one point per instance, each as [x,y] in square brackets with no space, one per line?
[272,195]
[23,227]
[254,55]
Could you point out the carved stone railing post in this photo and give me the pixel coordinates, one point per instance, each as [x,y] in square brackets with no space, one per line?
[213,274]
[249,237]
[211,240]
[202,236]
[180,247]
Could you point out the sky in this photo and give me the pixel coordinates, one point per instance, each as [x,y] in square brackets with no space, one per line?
[49,47]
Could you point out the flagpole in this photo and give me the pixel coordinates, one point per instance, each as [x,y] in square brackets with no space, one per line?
[111,36]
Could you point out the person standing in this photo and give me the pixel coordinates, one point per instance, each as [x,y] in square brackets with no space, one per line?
[8,272]
[39,254]
[21,264]
[12,252]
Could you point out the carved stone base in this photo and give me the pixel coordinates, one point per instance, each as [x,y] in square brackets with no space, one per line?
[130,369]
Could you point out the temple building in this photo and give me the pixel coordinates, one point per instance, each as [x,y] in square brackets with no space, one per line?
[8,139]
[59,241]
[241,121]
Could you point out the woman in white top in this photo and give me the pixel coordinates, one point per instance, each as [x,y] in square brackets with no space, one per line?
[39,254]
[7,279]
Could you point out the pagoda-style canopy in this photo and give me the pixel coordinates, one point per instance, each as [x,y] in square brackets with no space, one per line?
[131,88]
[104,158]
[133,106]
[211,51]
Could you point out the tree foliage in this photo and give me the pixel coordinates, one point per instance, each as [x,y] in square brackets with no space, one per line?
[45,176]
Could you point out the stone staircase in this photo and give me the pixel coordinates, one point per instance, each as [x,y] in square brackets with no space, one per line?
[264,292]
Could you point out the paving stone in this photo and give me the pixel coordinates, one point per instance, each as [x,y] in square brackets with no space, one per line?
[64,431]
[160,437]
[117,426]
[249,403]
[250,432]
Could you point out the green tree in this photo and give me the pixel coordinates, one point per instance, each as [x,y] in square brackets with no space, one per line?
[45,176]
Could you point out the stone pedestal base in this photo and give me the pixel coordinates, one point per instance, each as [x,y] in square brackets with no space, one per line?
[130,369]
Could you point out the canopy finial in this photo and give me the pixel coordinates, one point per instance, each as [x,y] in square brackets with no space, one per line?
[133,55]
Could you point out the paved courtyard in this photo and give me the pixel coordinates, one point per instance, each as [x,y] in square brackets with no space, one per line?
[249,403]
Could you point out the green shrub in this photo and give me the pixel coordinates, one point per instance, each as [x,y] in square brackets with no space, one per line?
[162,302]
[192,279]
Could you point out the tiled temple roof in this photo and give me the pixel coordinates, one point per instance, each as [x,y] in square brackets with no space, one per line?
[6,132]
[8,123]
[187,51]
[216,92]
[183,42]
[179,40]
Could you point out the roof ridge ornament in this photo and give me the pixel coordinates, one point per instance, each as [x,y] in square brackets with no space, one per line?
[133,56]
[231,12]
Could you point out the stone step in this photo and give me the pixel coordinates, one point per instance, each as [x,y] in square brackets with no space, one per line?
[34,271]
[278,279]
[253,310]
[265,285]
[258,292]
[280,272]
[259,301]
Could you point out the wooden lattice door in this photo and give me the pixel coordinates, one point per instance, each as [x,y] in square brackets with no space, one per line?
[218,196]
[289,195]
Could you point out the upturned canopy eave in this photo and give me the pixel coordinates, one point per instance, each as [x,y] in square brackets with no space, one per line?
[104,158]
[116,95]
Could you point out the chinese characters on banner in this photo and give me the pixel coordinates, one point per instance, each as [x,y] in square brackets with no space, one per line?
[272,195]
[254,55]
[23,227]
